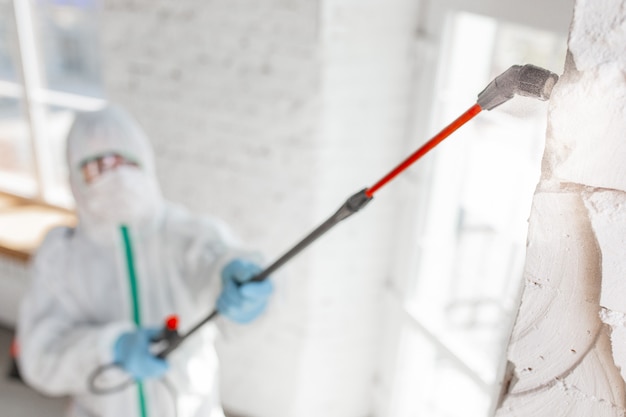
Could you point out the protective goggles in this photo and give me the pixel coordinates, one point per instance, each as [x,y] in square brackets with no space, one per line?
[94,167]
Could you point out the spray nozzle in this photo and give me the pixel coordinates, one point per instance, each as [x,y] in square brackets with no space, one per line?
[527,80]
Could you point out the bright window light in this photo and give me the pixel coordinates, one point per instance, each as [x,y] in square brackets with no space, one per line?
[49,68]
[463,296]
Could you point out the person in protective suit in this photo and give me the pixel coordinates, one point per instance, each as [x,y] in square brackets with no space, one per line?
[101,291]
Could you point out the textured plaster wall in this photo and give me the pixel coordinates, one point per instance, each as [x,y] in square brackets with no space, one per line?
[568,352]
[269,114]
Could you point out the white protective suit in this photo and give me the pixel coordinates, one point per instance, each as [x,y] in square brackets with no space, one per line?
[84,295]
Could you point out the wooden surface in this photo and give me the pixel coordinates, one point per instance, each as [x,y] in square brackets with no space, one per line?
[24,224]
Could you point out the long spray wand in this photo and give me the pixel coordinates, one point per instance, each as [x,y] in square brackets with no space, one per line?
[527,80]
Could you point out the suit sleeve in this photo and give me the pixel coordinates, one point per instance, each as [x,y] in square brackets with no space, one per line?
[58,349]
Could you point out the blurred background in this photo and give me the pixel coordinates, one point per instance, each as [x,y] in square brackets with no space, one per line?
[269,114]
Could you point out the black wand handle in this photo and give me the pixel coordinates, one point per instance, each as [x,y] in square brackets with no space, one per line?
[353,204]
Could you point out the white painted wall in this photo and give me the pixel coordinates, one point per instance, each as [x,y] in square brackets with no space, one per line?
[269,114]
[567,347]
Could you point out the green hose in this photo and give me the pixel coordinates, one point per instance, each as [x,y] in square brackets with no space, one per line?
[134,293]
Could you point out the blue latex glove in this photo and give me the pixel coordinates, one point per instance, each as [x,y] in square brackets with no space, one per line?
[132,352]
[242,301]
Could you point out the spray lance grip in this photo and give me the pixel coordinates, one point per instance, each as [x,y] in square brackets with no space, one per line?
[168,338]
[524,80]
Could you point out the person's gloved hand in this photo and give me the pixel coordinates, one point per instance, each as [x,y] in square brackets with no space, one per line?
[132,353]
[240,300]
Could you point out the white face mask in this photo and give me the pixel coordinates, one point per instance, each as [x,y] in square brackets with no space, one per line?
[124,195]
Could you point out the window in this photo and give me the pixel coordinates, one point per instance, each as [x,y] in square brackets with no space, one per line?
[49,68]
[462,294]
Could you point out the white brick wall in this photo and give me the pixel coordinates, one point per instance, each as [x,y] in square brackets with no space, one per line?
[366,52]
[269,114]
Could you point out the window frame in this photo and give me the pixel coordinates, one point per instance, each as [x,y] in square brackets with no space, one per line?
[34,96]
